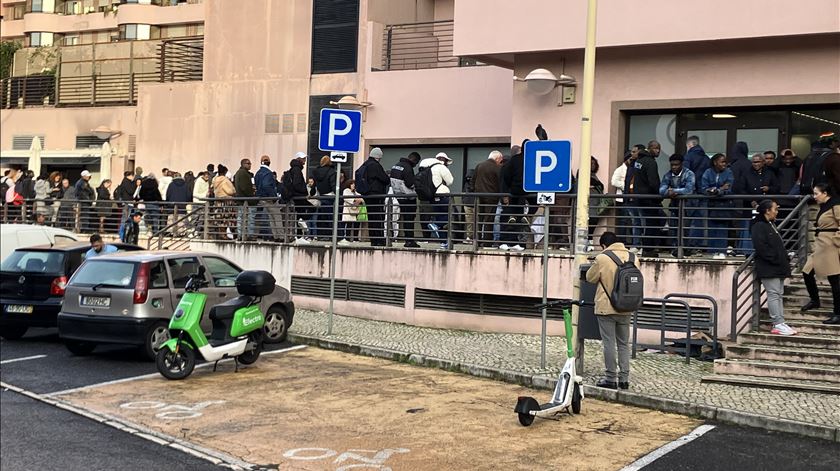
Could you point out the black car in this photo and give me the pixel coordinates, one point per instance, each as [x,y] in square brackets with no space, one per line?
[32,282]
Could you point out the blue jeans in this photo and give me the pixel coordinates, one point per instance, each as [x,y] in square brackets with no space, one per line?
[697,222]
[247,222]
[745,245]
[441,210]
[637,223]
[717,235]
[325,218]
[153,217]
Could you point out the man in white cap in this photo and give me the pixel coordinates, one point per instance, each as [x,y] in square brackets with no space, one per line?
[85,194]
[372,180]
[441,179]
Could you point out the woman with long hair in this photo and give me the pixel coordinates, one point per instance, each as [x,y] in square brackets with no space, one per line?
[105,207]
[825,261]
[772,264]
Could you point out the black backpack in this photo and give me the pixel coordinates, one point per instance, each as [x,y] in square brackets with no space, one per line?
[362,186]
[424,185]
[628,284]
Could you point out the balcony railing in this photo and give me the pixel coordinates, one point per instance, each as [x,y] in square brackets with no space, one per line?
[178,60]
[420,46]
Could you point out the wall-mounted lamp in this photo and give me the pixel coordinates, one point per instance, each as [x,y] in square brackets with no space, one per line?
[543,82]
[104,132]
[348,102]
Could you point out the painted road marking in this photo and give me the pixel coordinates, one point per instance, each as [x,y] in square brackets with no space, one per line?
[216,457]
[377,461]
[667,448]
[152,375]
[172,411]
[13,360]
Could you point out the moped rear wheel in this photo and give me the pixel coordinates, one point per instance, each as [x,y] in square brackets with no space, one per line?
[174,365]
[252,349]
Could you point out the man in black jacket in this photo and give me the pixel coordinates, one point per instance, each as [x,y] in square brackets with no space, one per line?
[85,194]
[758,182]
[131,231]
[402,183]
[243,183]
[293,188]
[125,192]
[514,206]
[377,182]
[645,181]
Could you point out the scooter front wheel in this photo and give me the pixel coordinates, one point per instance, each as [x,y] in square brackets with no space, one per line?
[174,365]
[576,398]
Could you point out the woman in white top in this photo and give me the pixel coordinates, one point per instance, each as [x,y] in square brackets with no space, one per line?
[352,204]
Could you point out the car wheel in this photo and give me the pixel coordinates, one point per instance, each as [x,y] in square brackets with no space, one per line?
[80,348]
[276,327]
[156,335]
[13,332]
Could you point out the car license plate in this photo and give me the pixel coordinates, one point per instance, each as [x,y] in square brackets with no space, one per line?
[19,309]
[96,301]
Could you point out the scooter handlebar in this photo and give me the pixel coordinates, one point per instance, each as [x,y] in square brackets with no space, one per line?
[564,303]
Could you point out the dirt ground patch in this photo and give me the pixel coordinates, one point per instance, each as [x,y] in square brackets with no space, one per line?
[315,409]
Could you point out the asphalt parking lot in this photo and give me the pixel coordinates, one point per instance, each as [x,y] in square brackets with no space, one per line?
[312,409]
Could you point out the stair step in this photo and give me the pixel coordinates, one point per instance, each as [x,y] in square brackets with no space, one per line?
[775,383]
[779,370]
[792,341]
[806,327]
[794,314]
[796,355]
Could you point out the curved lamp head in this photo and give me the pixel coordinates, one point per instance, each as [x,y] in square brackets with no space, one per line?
[104,132]
[543,81]
[348,102]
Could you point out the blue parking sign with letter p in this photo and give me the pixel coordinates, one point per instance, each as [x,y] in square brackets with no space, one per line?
[548,166]
[341,130]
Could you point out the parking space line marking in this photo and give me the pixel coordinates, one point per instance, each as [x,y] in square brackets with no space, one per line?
[153,375]
[13,360]
[216,457]
[667,448]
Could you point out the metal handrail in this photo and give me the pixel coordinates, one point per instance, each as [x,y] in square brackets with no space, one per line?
[161,234]
[754,289]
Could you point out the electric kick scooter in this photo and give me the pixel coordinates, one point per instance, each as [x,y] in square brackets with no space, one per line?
[237,326]
[568,393]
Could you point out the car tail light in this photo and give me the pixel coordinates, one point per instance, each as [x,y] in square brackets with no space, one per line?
[58,286]
[141,287]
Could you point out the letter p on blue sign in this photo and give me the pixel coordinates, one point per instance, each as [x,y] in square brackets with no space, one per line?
[548,166]
[341,130]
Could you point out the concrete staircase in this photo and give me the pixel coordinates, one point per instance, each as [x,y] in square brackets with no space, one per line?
[808,361]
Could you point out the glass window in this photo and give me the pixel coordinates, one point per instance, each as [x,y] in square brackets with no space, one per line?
[43,6]
[157,276]
[645,128]
[131,32]
[181,269]
[105,271]
[760,140]
[21,261]
[223,272]
[712,141]
[806,127]
[39,39]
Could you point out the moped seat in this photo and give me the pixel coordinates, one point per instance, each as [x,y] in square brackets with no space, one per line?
[226,310]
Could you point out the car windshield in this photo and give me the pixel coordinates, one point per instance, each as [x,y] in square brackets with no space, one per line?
[109,273]
[26,261]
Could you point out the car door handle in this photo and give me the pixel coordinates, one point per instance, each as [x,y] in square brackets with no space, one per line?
[222,295]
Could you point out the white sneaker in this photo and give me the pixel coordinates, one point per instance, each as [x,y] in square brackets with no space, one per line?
[343,242]
[504,247]
[518,248]
[303,225]
[302,241]
[634,250]
[782,329]
[719,256]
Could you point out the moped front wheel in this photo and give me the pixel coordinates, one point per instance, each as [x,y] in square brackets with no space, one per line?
[175,365]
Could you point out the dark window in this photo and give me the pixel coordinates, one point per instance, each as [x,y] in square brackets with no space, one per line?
[181,269]
[335,36]
[316,103]
[223,272]
[86,142]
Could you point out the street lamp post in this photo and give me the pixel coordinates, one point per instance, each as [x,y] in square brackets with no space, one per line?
[584,169]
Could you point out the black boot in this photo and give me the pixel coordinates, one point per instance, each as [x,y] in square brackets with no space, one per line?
[813,291]
[811,304]
[833,320]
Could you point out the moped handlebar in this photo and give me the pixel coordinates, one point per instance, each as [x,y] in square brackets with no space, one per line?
[566,303]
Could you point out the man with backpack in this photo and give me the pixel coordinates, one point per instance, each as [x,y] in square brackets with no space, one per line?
[372,183]
[619,292]
[130,230]
[432,185]
[402,184]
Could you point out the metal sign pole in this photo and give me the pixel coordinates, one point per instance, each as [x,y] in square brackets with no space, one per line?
[334,246]
[584,172]
[544,286]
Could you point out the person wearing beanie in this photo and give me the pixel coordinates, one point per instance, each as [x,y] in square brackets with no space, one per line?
[375,182]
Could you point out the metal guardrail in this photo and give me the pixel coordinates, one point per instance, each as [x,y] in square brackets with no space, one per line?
[414,46]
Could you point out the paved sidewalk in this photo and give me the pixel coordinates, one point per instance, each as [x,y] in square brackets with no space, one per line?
[652,374]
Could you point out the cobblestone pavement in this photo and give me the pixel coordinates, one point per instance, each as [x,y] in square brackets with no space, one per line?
[654,374]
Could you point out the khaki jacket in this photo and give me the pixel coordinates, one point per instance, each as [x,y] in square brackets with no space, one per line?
[825,261]
[602,274]
[223,187]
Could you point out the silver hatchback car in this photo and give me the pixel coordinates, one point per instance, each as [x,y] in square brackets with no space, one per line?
[128,298]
